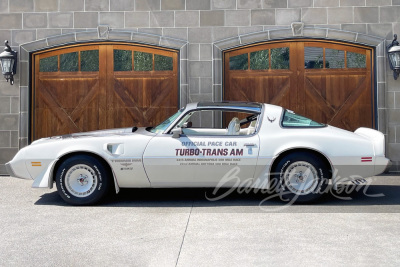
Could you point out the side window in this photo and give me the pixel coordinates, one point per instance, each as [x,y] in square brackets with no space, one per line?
[292,120]
[218,123]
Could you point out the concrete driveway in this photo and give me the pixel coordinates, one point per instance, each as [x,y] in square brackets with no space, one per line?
[180,227]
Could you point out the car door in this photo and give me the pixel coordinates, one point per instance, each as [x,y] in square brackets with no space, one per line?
[200,161]
[202,157]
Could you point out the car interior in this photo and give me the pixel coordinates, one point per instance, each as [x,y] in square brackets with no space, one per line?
[218,122]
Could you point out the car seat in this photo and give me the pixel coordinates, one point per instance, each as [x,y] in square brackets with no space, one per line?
[234,127]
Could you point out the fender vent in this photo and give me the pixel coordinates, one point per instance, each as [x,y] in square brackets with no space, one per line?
[115,149]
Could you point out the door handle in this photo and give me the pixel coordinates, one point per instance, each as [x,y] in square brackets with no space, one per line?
[249,144]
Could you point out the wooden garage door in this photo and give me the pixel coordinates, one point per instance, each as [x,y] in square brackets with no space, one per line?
[328,82]
[101,86]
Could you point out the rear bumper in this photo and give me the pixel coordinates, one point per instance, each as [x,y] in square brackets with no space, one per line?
[388,166]
[382,165]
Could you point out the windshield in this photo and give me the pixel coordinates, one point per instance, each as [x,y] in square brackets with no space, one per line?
[164,125]
[290,119]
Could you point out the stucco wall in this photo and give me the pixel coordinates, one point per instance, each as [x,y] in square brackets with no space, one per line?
[200,29]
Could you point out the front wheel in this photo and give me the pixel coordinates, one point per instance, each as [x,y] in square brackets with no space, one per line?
[302,177]
[82,180]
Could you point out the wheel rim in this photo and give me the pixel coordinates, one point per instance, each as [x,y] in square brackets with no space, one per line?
[301,178]
[81,180]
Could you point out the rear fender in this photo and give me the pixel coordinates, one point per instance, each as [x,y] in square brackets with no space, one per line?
[375,137]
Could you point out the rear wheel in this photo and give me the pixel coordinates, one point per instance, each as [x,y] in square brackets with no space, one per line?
[302,177]
[82,180]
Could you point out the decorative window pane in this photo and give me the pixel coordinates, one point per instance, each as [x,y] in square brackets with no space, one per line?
[313,57]
[259,60]
[334,59]
[143,61]
[163,62]
[280,58]
[69,62]
[90,60]
[122,60]
[48,64]
[356,60]
[239,62]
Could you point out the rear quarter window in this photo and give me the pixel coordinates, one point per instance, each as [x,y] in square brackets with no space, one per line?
[292,120]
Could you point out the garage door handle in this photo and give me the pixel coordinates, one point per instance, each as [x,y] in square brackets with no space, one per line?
[249,144]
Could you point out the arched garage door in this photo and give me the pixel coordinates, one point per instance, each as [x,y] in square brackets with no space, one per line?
[326,81]
[101,86]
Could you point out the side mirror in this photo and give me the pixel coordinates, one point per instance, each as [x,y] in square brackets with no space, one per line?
[176,133]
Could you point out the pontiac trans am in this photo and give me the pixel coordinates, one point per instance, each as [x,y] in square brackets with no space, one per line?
[206,144]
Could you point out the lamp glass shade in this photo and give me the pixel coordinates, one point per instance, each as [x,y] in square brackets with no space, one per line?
[7,65]
[394,57]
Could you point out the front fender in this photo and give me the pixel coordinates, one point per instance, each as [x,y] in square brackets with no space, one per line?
[70,153]
[45,178]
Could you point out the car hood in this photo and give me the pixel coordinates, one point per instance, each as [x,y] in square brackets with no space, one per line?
[100,133]
[96,134]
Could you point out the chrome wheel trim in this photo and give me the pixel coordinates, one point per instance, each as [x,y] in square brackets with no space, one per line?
[81,180]
[301,178]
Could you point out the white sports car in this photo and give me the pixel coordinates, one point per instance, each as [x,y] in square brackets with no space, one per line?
[207,144]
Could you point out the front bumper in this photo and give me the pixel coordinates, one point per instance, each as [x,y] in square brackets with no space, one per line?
[17,169]
[9,170]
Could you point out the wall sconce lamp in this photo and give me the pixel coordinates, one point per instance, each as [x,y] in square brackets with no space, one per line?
[393,51]
[8,61]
